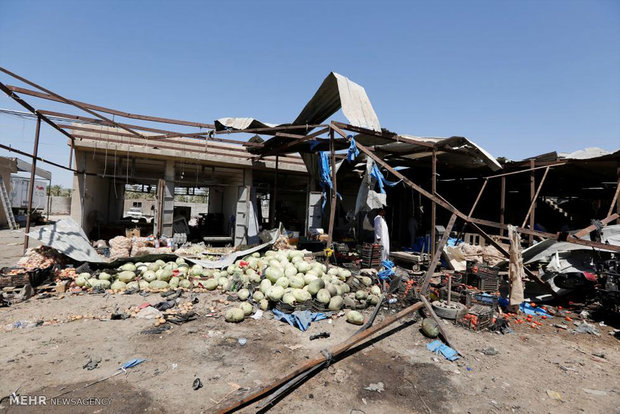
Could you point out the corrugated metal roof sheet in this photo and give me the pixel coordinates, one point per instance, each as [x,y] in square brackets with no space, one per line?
[335,92]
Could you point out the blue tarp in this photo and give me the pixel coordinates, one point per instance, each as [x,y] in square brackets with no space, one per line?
[439,347]
[299,319]
[378,175]
[388,270]
[325,176]
[353,152]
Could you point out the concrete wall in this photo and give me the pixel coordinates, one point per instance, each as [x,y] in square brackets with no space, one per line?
[59,205]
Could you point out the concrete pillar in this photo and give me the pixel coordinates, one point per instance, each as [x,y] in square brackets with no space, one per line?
[88,206]
[168,202]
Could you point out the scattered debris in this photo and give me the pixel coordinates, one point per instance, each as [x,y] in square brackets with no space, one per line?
[554,395]
[585,327]
[93,362]
[197,384]
[320,335]
[488,351]
[148,312]
[378,387]
[598,393]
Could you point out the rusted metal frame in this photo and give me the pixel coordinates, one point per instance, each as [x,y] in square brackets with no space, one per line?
[101,122]
[325,356]
[433,205]
[443,203]
[334,192]
[289,160]
[437,255]
[501,249]
[293,143]
[392,136]
[275,193]
[554,236]
[473,207]
[51,96]
[64,100]
[532,195]
[270,129]
[154,137]
[525,170]
[587,230]
[30,108]
[535,197]
[33,171]
[25,154]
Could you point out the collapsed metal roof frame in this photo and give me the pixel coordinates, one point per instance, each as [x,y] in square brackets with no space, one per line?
[366,125]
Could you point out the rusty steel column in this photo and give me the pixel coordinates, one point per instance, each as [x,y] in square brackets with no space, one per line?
[532,197]
[33,171]
[275,195]
[332,212]
[433,205]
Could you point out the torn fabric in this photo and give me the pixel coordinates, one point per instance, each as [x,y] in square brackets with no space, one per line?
[515,269]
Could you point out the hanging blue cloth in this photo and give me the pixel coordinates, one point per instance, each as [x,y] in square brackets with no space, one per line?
[325,176]
[378,175]
[353,152]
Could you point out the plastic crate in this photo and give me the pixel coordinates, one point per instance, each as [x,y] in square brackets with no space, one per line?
[482,277]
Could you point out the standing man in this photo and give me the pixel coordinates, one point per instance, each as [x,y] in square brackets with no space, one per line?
[382,236]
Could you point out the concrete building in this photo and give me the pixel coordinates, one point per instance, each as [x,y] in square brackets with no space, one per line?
[236,179]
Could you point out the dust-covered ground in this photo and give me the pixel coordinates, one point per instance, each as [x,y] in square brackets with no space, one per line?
[530,364]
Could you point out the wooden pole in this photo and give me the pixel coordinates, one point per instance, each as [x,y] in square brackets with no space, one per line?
[435,260]
[433,205]
[473,207]
[502,205]
[532,192]
[332,212]
[533,202]
[33,170]
[274,224]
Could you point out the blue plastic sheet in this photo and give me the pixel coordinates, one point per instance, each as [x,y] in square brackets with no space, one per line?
[353,152]
[378,175]
[439,347]
[299,319]
[325,179]
[132,363]
[388,270]
[530,310]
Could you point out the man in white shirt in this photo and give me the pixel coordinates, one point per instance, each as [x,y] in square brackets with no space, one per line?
[382,236]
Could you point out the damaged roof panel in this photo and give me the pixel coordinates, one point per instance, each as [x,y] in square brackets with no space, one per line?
[335,92]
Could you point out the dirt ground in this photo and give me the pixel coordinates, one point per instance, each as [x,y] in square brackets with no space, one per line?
[530,364]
